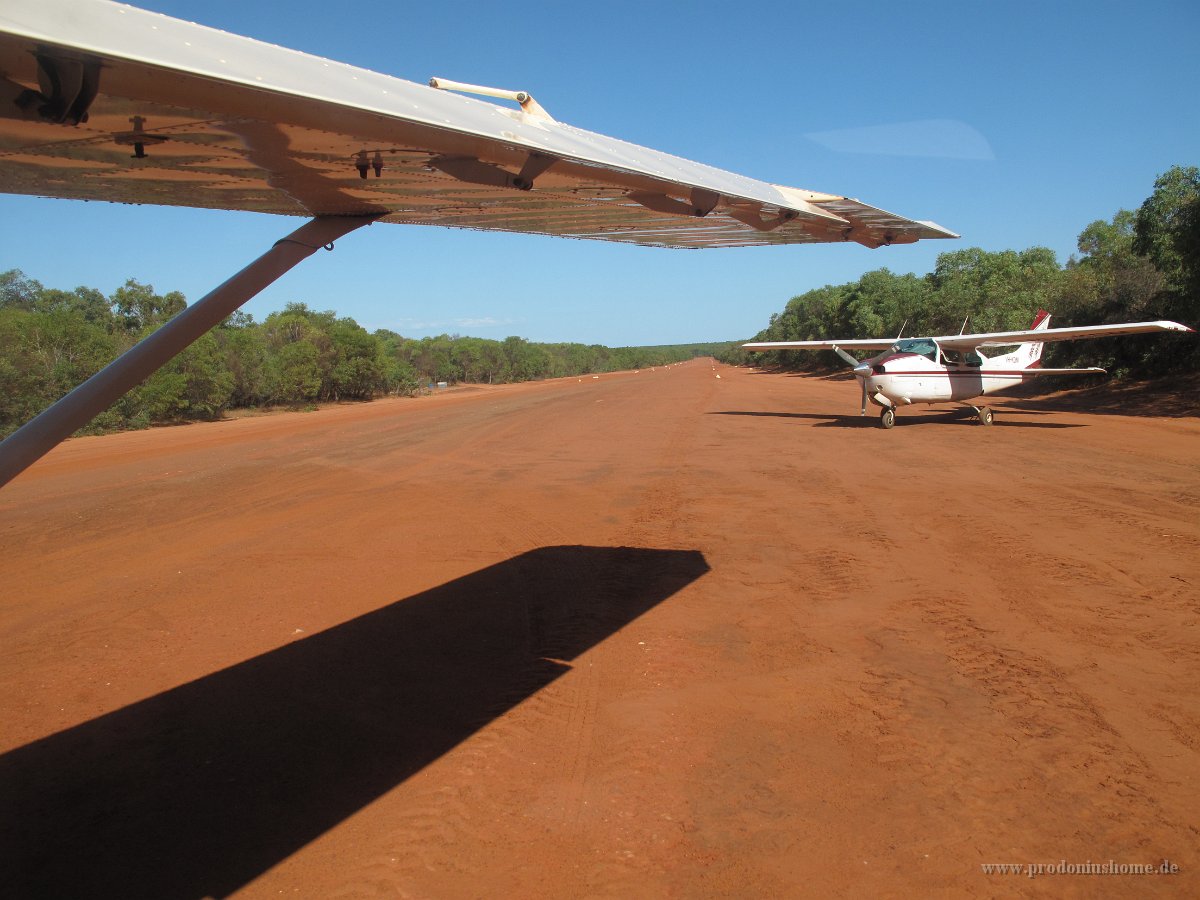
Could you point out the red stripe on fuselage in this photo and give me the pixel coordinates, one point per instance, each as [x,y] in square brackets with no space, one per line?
[1014,373]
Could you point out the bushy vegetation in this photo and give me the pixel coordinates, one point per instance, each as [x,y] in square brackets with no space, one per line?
[51,340]
[1139,266]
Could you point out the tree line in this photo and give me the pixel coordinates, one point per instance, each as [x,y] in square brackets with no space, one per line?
[52,340]
[1140,265]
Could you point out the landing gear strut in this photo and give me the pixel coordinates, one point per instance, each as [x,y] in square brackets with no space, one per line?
[887,418]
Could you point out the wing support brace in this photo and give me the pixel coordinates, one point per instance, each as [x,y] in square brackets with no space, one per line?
[38,436]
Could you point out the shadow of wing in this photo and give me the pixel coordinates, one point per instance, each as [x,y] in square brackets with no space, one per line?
[198,790]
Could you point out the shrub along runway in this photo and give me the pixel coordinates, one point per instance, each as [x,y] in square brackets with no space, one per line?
[662,633]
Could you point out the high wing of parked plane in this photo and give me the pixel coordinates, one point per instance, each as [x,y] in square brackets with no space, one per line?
[950,368]
[102,101]
[969,342]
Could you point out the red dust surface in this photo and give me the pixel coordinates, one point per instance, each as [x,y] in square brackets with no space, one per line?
[693,632]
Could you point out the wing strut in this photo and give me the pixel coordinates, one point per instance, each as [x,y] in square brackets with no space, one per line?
[38,436]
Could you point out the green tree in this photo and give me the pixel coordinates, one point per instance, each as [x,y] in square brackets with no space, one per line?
[141,310]
[208,383]
[393,357]
[1167,232]
[1110,282]
[297,354]
[243,345]
[88,303]
[43,355]
[355,373]
[17,291]
[294,373]
[999,291]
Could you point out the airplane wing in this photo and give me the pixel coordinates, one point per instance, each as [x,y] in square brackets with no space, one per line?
[1047,335]
[861,344]
[101,101]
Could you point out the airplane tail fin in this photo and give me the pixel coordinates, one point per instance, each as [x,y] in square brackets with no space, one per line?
[1030,353]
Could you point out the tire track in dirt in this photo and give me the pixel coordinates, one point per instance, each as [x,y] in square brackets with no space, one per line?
[962,669]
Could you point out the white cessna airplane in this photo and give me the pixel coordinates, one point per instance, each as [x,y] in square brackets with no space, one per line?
[101,101]
[950,368]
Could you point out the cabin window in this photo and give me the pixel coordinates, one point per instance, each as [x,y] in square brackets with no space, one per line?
[921,346]
[959,358]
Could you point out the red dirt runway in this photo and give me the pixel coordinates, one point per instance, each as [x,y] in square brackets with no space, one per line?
[653,634]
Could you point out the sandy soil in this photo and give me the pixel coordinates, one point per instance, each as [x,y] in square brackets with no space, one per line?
[655,634]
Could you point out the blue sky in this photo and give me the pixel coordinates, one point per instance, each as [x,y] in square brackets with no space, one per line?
[1014,124]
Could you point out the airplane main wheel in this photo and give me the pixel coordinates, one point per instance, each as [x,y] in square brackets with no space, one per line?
[985,416]
[887,418]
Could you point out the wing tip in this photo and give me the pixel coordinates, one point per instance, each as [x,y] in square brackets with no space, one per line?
[938,230]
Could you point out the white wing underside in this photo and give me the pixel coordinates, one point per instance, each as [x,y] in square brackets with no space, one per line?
[226,122]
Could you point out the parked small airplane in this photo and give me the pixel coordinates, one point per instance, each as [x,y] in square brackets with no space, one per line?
[951,368]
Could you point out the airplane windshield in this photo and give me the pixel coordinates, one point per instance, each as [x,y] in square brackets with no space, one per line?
[921,346]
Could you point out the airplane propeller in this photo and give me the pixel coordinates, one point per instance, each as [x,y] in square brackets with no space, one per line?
[861,371]
[850,360]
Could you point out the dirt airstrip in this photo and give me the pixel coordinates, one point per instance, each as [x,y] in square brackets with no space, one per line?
[689,632]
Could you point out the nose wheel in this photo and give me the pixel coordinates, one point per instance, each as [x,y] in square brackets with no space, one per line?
[985,415]
[887,418]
